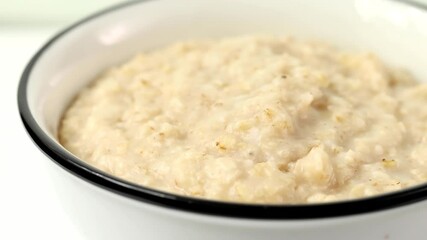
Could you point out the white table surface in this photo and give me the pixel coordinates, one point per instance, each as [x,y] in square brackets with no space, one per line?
[28,205]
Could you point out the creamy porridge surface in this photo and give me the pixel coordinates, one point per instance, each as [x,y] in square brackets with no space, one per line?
[254,119]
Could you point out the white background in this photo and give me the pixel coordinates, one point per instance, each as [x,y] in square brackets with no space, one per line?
[28,206]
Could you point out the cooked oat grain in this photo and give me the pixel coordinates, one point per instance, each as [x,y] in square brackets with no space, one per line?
[254,119]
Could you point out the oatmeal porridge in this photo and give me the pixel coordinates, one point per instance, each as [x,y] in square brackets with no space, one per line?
[254,119]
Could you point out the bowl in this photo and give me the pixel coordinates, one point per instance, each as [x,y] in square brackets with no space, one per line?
[105,207]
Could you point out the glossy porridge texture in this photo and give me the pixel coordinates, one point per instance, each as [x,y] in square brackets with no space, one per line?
[254,119]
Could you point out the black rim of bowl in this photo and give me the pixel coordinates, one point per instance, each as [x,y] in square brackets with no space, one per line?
[210,207]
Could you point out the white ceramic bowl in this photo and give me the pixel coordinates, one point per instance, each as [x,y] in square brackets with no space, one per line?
[105,207]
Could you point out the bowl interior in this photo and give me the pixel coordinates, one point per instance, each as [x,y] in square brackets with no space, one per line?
[392,29]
